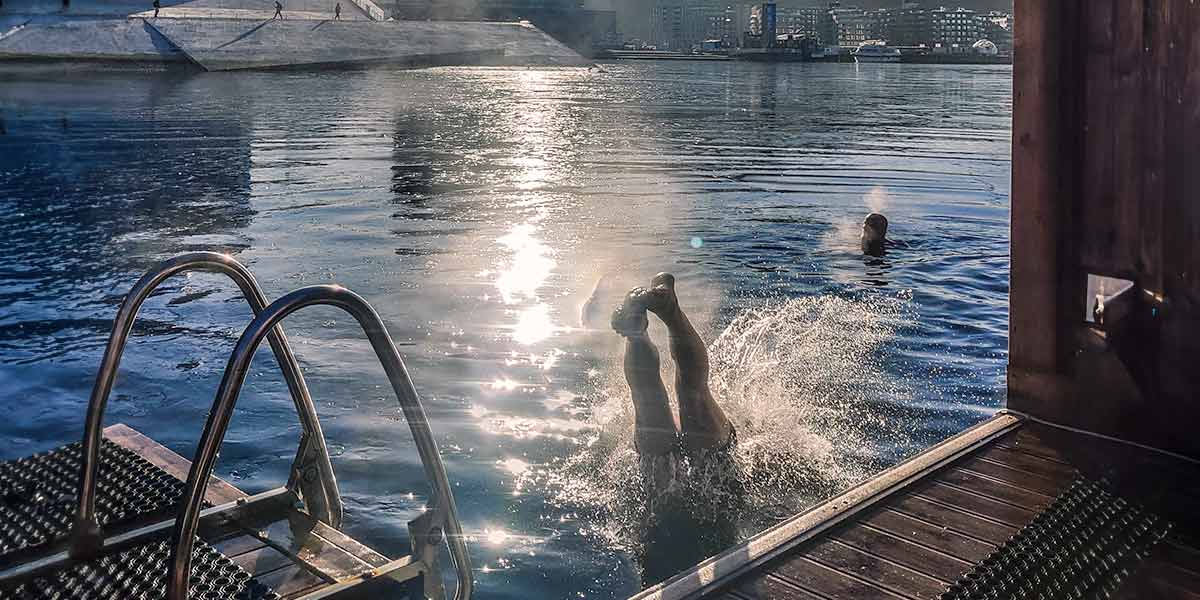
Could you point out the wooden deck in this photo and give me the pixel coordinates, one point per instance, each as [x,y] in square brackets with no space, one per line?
[925,532]
[291,554]
[917,542]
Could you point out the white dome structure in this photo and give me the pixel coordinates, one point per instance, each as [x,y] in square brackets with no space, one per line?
[985,47]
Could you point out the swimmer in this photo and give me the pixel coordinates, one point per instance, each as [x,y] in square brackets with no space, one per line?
[702,425]
[874,235]
[681,461]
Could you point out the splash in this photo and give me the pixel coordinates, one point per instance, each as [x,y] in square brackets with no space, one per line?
[803,381]
[845,235]
[877,200]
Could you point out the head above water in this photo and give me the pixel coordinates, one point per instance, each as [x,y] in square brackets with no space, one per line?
[874,233]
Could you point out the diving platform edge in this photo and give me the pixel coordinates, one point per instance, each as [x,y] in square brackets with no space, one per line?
[920,530]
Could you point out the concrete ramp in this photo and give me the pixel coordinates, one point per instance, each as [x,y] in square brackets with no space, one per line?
[87,39]
[229,44]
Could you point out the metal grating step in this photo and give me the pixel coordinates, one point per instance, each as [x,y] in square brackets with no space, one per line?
[1083,546]
[140,574]
[38,494]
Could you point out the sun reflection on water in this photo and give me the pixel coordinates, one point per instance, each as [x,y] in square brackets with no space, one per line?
[529,266]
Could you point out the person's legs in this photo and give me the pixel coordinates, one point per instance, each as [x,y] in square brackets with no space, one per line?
[703,424]
[655,433]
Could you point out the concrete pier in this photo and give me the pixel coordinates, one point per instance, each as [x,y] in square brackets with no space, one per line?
[219,35]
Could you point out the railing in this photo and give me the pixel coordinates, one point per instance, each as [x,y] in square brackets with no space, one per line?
[441,518]
[323,501]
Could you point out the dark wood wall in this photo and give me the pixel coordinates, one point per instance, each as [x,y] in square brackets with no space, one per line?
[1106,181]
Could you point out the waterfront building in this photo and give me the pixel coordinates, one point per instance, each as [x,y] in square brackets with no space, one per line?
[997,28]
[802,22]
[667,31]
[909,25]
[844,26]
[955,31]
[709,20]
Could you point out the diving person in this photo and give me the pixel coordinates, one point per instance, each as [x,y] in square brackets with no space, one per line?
[702,428]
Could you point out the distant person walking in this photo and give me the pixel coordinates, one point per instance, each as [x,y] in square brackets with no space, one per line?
[278,11]
[337,11]
[157,5]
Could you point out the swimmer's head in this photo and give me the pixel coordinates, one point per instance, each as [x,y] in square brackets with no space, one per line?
[874,233]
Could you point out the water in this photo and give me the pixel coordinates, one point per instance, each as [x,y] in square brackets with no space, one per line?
[476,209]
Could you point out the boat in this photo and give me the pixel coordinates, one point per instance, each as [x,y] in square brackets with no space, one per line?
[876,52]
[120,516]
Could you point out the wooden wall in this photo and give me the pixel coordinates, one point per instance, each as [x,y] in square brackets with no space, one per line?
[1106,180]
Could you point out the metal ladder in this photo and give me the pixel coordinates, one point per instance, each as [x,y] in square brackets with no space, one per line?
[312,479]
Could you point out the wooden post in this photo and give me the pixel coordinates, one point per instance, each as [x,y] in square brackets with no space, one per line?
[1045,167]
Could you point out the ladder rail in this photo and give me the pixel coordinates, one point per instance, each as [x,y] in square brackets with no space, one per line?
[86,535]
[442,510]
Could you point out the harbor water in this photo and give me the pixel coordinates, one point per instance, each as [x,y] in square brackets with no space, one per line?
[494,217]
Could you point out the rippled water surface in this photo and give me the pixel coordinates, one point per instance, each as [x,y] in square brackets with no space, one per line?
[478,209]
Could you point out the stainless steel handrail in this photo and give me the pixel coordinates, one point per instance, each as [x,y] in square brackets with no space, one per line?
[86,536]
[441,503]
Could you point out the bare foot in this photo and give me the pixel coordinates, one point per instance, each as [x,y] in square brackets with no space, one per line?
[661,299]
[630,319]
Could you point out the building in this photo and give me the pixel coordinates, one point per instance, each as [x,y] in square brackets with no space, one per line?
[954,31]
[667,30]
[709,21]
[998,28]
[804,22]
[844,26]
[909,25]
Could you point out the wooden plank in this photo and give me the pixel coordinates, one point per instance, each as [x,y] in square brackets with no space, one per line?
[764,587]
[1097,230]
[350,545]
[962,522]
[828,582]
[1153,144]
[713,574]
[1029,463]
[1182,230]
[1156,579]
[262,560]
[995,490]
[1028,442]
[219,491]
[865,566]
[1125,134]
[1180,553]
[929,535]
[290,582]
[293,535]
[1044,171]
[937,565]
[238,544]
[1016,478]
[978,505]
[734,595]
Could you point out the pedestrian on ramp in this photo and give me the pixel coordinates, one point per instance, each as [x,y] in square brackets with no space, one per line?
[337,11]
[278,11]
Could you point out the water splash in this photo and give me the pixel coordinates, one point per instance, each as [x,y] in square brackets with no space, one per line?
[878,199]
[845,235]
[802,380]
